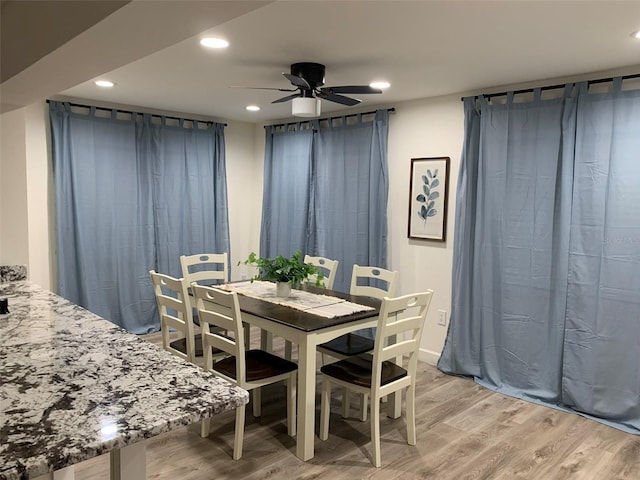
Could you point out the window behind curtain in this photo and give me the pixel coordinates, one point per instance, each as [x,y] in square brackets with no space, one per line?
[546,285]
[132,196]
[340,177]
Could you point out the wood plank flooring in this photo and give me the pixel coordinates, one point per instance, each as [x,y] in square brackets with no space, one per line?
[465,432]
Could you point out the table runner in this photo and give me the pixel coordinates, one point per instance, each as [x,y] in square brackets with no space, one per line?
[322,305]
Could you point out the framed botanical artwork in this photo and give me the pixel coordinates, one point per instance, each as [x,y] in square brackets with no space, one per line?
[428,189]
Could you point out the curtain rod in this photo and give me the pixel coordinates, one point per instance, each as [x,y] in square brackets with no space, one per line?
[390,110]
[135,113]
[553,87]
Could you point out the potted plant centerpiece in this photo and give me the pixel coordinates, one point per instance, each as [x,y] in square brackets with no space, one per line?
[286,272]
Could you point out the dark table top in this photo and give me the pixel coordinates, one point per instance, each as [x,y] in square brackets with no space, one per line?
[306,321]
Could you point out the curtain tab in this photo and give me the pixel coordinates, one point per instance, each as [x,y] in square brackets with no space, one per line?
[568,88]
[537,94]
[509,98]
[481,103]
[382,115]
[114,113]
[617,85]
[583,88]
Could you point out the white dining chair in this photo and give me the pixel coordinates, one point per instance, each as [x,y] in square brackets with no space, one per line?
[250,369]
[328,267]
[377,375]
[174,310]
[366,281]
[204,269]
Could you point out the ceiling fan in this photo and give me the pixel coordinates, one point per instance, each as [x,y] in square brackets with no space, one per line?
[308,80]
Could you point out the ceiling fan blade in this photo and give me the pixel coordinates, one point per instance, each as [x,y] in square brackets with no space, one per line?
[265,88]
[287,98]
[332,97]
[352,89]
[297,81]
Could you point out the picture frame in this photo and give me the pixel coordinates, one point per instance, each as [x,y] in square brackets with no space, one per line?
[428,198]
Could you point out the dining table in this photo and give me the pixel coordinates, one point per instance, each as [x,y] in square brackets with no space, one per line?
[309,317]
[74,386]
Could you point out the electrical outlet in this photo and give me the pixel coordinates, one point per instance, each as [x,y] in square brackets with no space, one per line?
[442,318]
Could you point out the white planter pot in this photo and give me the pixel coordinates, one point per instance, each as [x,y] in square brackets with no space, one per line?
[283,289]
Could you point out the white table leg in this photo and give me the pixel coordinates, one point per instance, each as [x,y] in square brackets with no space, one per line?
[306,398]
[62,474]
[129,463]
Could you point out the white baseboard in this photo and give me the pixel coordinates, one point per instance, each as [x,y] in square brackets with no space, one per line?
[428,356]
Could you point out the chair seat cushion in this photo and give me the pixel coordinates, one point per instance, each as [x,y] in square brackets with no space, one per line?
[181,345]
[349,344]
[358,370]
[260,365]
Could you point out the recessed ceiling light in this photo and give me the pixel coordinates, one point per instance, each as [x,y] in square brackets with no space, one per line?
[381,85]
[211,42]
[253,108]
[636,35]
[104,83]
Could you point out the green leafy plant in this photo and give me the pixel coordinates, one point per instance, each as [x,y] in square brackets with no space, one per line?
[429,195]
[281,269]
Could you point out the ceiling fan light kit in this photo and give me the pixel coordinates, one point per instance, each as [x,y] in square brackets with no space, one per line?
[308,80]
[305,107]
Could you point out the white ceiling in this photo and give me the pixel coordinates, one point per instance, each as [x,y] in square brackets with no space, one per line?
[424,48]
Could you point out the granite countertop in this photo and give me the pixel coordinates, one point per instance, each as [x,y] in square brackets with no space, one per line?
[74,386]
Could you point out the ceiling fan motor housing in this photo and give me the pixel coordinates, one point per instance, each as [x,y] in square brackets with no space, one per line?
[313,73]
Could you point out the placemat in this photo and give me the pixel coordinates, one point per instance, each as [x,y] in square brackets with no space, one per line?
[322,305]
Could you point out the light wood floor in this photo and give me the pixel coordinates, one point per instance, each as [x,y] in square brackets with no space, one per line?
[464,432]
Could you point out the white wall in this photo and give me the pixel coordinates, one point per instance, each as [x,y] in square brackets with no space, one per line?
[14,242]
[39,190]
[24,192]
[244,187]
[425,128]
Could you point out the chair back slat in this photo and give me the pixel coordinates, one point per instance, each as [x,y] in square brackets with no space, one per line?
[400,336]
[172,322]
[397,349]
[380,282]
[402,325]
[220,317]
[205,267]
[221,309]
[174,311]
[170,303]
[328,267]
